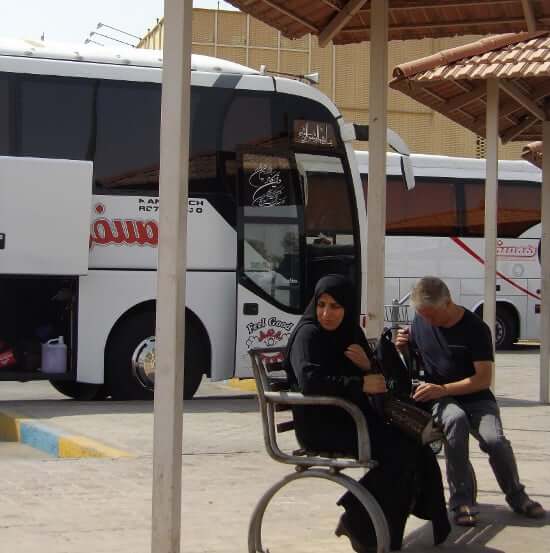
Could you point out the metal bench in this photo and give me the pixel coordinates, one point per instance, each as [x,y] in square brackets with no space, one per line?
[274,396]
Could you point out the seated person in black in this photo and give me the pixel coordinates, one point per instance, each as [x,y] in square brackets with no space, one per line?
[328,355]
[456,349]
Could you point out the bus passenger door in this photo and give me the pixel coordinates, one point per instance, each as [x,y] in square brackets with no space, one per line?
[270,286]
[330,227]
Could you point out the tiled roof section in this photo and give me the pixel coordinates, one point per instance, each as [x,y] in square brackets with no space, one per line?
[533,153]
[518,55]
[456,87]
[408,19]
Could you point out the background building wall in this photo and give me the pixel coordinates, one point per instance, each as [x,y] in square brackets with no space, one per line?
[344,75]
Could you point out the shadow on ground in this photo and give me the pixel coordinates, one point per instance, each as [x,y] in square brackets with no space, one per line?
[492,520]
[45,409]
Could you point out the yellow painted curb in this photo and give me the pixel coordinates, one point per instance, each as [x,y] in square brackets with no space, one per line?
[9,427]
[244,384]
[79,446]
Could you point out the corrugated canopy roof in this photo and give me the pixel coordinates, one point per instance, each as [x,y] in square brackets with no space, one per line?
[453,83]
[533,153]
[347,21]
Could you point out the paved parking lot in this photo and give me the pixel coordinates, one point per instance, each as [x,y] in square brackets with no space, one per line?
[104,505]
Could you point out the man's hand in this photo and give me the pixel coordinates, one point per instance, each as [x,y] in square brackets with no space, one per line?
[402,339]
[356,354]
[374,384]
[428,392]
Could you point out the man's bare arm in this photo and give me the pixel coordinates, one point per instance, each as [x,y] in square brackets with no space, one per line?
[481,380]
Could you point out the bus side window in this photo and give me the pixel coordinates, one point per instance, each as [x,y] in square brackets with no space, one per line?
[518,207]
[127,149]
[54,117]
[6,116]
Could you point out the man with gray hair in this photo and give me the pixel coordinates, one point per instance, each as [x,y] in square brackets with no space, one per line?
[456,350]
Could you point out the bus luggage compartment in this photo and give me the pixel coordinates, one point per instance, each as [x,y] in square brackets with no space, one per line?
[34,310]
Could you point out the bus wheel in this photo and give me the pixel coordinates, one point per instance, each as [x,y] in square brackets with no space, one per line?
[505,329]
[125,340]
[80,390]
[129,372]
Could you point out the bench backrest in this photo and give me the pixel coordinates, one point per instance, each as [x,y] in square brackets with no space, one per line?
[274,395]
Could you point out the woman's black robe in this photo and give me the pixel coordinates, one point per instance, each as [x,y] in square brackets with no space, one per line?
[408,478]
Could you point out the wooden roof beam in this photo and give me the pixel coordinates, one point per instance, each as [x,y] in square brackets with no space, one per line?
[339,21]
[510,107]
[408,5]
[439,24]
[529,13]
[513,132]
[433,94]
[466,98]
[332,5]
[521,98]
[292,15]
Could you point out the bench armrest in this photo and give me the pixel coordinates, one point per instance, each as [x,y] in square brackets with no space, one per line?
[295,398]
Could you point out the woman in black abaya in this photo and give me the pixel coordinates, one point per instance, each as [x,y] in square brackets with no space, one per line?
[327,354]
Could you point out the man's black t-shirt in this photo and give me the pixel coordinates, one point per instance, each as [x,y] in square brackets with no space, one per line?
[448,354]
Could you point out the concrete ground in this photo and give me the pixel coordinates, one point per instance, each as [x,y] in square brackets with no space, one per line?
[104,505]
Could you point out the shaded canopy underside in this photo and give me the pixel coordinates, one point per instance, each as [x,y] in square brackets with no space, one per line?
[348,21]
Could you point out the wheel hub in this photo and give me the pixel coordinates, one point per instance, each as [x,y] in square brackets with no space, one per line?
[144,363]
[499,331]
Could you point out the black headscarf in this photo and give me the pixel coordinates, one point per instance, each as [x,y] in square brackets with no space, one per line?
[334,342]
[341,289]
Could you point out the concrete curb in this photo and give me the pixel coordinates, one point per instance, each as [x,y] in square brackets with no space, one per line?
[53,441]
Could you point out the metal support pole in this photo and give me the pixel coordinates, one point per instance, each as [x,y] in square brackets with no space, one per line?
[170,331]
[491,205]
[376,197]
[545,269]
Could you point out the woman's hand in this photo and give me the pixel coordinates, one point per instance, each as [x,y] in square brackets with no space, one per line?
[356,354]
[374,384]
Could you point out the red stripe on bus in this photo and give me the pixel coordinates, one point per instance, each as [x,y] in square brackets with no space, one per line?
[477,257]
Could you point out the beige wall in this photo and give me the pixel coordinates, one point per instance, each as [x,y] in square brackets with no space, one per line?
[344,72]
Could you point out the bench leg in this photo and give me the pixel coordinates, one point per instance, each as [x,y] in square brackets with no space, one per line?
[367,500]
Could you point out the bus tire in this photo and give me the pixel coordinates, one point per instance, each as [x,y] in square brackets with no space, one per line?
[80,390]
[121,380]
[123,341]
[505,329]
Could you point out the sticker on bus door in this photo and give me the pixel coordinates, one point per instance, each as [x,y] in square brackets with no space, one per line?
[264,327]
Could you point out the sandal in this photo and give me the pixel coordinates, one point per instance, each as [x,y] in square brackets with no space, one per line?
[464,516]
[531,509]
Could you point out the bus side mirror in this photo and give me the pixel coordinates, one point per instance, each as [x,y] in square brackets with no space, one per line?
[407,172]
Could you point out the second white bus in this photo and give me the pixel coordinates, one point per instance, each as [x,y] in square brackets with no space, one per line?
[437,229]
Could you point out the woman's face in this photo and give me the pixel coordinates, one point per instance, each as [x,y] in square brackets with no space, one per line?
[330,313]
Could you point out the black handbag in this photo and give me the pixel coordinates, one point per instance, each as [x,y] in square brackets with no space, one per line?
[412,420]
[396,406]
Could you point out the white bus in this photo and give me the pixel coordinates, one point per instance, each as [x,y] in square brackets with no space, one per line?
[437,229]
[273,184]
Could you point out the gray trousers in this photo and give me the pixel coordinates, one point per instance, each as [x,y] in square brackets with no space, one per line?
[481,419]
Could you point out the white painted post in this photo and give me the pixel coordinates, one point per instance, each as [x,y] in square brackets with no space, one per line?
[170,331]
[544,391]
[491,205]
[376,197]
